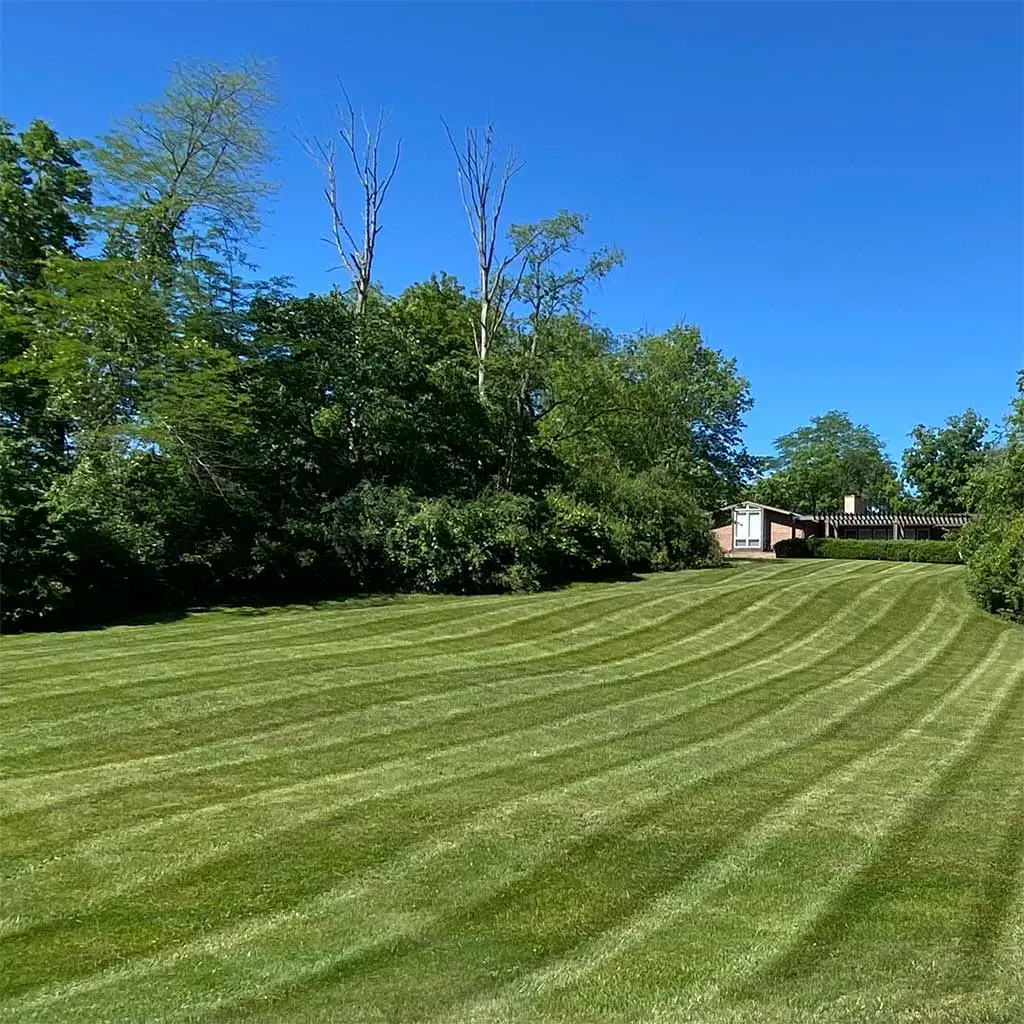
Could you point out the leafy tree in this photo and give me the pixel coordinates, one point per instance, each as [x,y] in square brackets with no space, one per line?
[45,195]
[44,205]
[547,289]
[173,432]
[818,464]
[183,176]
[940,464]
[994,541]
[665,404]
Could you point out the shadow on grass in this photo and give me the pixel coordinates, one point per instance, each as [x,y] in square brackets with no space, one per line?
[255,607]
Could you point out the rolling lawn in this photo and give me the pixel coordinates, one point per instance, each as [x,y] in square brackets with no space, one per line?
[781,792]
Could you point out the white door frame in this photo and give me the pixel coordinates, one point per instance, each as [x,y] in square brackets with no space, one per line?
[748,543]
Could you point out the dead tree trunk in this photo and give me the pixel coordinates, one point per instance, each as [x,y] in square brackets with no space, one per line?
[483,187]
[362,144]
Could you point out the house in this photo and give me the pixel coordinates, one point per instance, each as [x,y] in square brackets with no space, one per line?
[751,527]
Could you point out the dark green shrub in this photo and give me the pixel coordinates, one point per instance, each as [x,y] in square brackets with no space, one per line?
[579,541]
[995,565]
[943,551]
[993,542]
[656,525]
[390,539]
[793,547]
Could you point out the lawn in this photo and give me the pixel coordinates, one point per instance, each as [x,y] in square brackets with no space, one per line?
[782,792]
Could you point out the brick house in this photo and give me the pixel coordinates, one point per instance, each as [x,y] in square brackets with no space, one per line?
[751,527]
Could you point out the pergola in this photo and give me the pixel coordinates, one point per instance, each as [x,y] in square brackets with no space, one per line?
[895,523]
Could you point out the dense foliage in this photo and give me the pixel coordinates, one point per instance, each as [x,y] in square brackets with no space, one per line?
[817,465]
[940,463]
[174,433]
[946,551]
[994,540]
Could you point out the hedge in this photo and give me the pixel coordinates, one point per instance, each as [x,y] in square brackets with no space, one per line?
[795,547]
[945,551]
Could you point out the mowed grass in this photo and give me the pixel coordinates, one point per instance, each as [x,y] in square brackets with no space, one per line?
[783,792]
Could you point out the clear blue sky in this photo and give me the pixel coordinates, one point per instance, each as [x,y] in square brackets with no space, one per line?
[832,191]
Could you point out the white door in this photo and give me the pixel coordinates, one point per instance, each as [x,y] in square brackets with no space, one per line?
[747,528]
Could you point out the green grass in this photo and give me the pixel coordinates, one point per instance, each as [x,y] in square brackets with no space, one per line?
[782,792]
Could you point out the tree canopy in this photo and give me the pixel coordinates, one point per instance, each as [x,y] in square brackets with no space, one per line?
[175,431]
[44,196]
[938,467]
[818,464]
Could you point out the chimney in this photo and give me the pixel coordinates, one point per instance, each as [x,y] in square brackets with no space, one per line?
[854,504]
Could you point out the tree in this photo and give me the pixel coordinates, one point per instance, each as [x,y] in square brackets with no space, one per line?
[542,321]
[45,195]
[942,460]
[183,175]
[363,149]
[666,404]
[994,541]
[484,189]
[818,464]
[546,289]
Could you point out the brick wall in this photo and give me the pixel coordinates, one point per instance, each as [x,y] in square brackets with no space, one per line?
[723,537]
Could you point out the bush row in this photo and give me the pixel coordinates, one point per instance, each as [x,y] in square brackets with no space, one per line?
[944,551]
[391,540]
[374,539]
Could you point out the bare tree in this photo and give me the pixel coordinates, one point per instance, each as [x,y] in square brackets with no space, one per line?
[484,188]
[361,141]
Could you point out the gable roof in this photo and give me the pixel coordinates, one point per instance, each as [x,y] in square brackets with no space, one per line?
[769,508]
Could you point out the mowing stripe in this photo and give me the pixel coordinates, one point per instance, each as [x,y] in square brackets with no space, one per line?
[823,713]
[186,677]
[20,794]
[305,684]
[642,724]
[113,847]
[278,932]
[818,803]
[441,612]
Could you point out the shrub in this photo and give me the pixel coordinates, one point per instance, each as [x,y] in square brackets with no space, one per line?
[579,542]
[390,539]
[793,547]
[657,525]
[943,551]
[995,565]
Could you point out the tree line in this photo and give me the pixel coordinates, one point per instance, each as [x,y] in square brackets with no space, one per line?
[175,431]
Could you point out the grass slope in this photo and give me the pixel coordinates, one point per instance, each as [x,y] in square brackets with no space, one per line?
[781,792]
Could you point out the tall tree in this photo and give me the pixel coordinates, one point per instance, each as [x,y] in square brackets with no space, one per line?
[45,195]
[664,404]
[547,288]
[940,463]
[484,188]
[361,144]
[183,176]
[818,464]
